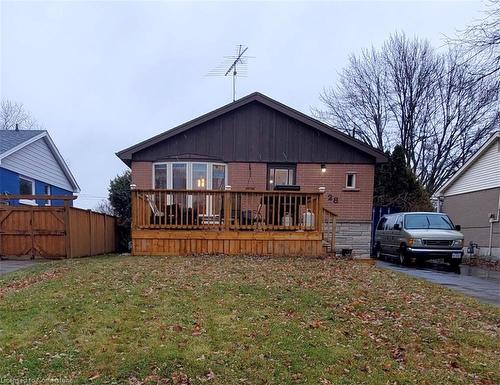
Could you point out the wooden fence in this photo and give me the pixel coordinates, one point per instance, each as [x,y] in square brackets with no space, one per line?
[54,231]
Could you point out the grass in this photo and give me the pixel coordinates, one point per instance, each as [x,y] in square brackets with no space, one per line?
[239,320]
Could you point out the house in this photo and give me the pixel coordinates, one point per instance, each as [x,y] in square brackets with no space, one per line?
[30,164]
[471,197]
[280,169]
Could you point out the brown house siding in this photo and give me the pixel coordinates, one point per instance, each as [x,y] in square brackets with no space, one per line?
[254,133]
[142,174]
[471,211]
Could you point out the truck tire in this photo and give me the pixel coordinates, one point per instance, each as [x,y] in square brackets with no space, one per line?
[404,259]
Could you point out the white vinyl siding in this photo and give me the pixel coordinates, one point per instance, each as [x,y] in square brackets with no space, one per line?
[37,161]
[483,174]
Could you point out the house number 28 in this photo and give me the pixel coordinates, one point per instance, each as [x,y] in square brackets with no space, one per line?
[333,199]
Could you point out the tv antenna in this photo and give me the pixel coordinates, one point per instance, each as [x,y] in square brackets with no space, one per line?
[235,66]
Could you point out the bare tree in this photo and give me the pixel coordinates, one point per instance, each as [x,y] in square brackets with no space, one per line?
[104,207]
[12,113]
[429,103]
[467,111]
[481,42]
[412,74]
[358,104]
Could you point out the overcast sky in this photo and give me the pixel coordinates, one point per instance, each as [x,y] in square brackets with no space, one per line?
[101,76]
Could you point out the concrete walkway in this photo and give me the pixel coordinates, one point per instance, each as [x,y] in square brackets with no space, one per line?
[7,266]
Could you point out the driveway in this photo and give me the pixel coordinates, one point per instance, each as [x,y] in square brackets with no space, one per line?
[7,266]
[476,282]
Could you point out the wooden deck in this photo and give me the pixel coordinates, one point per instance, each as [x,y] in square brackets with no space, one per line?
[184,222]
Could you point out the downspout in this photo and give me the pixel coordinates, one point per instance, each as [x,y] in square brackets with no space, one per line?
[493,220]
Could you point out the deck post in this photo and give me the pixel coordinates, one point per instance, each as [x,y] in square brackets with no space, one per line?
[227,207]
[320,208]
[67,229]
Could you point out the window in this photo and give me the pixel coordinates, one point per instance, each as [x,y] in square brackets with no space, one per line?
[389,224]
[160,173]
[428,221]
[46,191]
[280,175]
[381,223]
[179,176]
[199,176]
[189,175]
[218,176]
[350,180]
[26,187]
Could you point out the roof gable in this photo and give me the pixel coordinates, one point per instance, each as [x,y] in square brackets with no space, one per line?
[33,153]
[480,172]
[357,146]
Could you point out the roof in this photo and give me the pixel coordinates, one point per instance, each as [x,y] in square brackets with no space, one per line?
[494,137]
[12,141]
[380,157]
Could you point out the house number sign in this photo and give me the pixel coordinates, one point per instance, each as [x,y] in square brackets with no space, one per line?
[333,199]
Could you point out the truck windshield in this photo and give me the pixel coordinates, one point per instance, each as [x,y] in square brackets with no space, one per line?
[423,221]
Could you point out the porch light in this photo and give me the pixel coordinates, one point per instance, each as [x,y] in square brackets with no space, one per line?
[323,167]
[133,186]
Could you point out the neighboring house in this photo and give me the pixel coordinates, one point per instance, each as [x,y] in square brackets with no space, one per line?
[471,197]
[257,143]
[30,164]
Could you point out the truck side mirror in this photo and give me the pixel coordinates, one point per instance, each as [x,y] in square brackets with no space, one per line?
[397,226]
[458,227]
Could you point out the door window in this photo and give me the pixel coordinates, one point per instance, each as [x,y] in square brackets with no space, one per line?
[280,175]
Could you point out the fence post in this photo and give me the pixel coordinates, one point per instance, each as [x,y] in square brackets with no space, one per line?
[90,231]
[67,230]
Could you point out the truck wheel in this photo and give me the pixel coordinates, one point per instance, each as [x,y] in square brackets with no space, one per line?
[455,262]
[403,257]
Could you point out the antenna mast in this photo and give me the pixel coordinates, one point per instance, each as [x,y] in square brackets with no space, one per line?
[237,66]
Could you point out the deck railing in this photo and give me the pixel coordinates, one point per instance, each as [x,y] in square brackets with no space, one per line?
[329,229]
[227,210]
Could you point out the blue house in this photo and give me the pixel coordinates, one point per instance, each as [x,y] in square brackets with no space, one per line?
[30,164]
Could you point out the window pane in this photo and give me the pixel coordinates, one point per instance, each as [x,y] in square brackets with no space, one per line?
[218,177]
[280,176]
[271,178]
[160,176]
[350,182]
[25,187]
[179,176]
[199,176]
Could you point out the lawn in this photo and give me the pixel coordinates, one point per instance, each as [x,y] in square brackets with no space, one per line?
[239,320]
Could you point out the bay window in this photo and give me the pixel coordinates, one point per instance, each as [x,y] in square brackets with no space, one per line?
[189,175]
